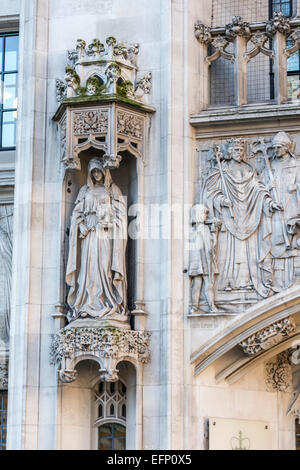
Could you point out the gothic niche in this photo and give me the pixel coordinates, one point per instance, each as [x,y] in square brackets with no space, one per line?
[245,228]
[103,125]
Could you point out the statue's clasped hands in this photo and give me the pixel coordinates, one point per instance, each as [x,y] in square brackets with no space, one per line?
[227,203]
[276,206]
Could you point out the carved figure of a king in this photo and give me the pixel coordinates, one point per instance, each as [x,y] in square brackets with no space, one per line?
[96,268]
[236,196]
[285,183]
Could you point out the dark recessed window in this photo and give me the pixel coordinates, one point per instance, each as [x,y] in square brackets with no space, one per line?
[9,47]
[112,437]
[3,419]
[285,6]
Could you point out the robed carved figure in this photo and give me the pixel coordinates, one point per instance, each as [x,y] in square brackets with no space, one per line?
[96,269]
[242,202]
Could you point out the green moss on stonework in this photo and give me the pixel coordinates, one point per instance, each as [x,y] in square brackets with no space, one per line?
[125,89]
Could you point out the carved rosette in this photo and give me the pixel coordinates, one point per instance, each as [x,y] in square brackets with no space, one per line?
[268,337]
[278,374]
[108,346]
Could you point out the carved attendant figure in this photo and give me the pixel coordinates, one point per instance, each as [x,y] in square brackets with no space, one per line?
[285,169]
[245,206]
[99,226]
[202,267]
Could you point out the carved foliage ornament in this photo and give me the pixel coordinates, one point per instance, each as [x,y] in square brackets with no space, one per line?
[268,337]
[279,23]
[99,70]
[105,342]
[237,27]
[203,33]
[278,374]
[130,125]
[90,122]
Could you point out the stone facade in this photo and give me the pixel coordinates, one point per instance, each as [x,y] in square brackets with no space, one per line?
[154,241]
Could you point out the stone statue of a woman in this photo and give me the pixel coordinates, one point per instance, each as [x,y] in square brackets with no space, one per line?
[96,269]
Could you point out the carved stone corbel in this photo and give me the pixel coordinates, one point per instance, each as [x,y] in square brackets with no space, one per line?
[237,27]
[107,346]
[268,337]
[203,33]
[220,43]
[258,40]
[279,23]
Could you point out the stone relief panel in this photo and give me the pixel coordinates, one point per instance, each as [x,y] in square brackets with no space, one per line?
[245,227]
[6,226]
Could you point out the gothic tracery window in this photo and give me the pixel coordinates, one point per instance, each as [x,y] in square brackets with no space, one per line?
[9,44]
[285,6]
[111,415]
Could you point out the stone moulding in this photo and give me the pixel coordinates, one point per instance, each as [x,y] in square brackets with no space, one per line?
[107,346]
[268,337]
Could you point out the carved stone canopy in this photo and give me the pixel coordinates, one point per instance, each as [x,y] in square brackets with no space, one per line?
[103,103]
[109,127]
[107,346]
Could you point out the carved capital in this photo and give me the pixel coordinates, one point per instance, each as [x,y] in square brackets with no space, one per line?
[278,374]
[237,27]
[279,23]
[203,33]
[108,346]
[268,337]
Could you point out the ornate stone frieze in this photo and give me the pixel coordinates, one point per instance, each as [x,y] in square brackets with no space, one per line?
[90,122]
[202,33]
[3,376]
[259,40]
[107,345]
[237,27]
[249,228]
[279,23]
[268,337]
[130,125]
[278,374]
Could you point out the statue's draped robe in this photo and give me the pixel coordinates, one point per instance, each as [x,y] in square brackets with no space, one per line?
[247,259]
[96,270]
[286,173]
